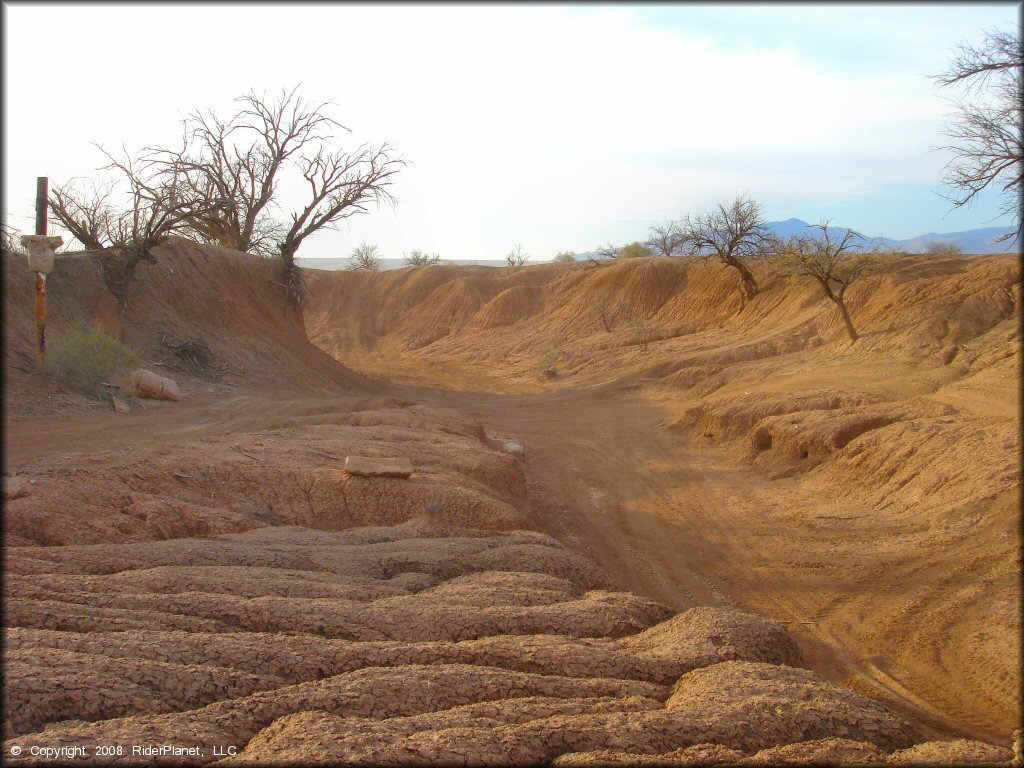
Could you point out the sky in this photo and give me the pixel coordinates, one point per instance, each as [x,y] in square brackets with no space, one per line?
[558,127]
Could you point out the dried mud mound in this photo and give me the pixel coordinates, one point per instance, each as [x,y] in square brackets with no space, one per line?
[228,304]
[389,645]
[293,474]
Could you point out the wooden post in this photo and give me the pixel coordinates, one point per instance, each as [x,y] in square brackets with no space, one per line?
[42,195]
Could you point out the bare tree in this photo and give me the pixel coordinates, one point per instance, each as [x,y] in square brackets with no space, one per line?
[238,161]
[517,257]
[732,234]
[666,239]
[834,263]
[85,212]
[365,256]
[608,251]
[987,145]
[642,327]
[156,206]
[10,238]
[606,313]
[421,258]
[341,184]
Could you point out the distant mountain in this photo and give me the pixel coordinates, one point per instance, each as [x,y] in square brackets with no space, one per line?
[970,241]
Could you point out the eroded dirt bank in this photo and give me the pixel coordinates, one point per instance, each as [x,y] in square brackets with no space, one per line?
[867,495]
[204,572]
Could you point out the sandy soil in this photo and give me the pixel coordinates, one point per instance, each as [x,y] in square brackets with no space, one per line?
[748,543]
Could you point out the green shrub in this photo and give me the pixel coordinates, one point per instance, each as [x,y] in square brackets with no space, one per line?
[634,251]
[85,358]
[565,257]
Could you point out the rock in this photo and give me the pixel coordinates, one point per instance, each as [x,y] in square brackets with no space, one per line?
[143,383]
[120,405]
[371,467]
[16,487]
[514,449]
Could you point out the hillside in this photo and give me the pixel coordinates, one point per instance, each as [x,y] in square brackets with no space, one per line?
[230,302]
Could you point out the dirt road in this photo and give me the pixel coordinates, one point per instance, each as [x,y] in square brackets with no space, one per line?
[685,524]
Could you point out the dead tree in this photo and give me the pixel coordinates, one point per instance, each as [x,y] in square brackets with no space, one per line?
[666,239]
[987,145]
[238,162]
[365,256]
[155,207]
[233,167]
[606,313]
[85,212]
[421,258]
[340,185]
[517,257]
[734,235]
[834,263]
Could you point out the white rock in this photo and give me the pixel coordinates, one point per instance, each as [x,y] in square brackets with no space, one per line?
[514,449]
[143,383]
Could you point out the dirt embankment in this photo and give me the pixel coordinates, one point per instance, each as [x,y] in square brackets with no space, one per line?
[204,572]
[229,302]
[868,493]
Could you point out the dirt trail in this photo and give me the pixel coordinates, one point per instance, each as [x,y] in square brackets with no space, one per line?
[688,527]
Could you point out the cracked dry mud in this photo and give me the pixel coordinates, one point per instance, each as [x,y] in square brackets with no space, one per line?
[205,573]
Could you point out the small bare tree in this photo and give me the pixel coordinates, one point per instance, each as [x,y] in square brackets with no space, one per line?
[834,263]
[666,239]
[365,256]
[421,258]
[643,329]
[606,313]
[517,257]
[987,134]
[733,234]
[608,251]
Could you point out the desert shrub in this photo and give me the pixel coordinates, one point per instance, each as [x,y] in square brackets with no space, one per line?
[634,251]
[421,258]
[565,257]
[942,248]
[365,256]
[642,327]
[84,358]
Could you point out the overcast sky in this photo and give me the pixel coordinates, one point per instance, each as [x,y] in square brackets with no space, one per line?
[558,127]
